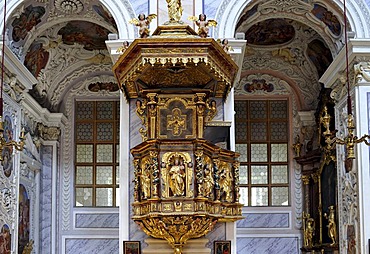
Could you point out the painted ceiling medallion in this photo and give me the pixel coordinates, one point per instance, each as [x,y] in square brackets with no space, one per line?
[69,6]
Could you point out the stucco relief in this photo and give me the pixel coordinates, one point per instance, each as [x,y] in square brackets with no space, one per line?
[348,196]
[362,72]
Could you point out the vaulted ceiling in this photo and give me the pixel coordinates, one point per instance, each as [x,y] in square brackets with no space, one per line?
[62,43]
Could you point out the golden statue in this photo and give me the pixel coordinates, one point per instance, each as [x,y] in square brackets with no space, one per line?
[332,226]
[212,110]
[226,179]
[174,10]
[177,175]
[309,231]
[145,180]
[143,23]
[297,146]
[208,180]
[203,24]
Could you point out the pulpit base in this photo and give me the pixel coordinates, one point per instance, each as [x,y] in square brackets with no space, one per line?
[193,246]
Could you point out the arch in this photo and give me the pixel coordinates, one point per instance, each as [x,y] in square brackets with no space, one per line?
[230,11]
[121,11]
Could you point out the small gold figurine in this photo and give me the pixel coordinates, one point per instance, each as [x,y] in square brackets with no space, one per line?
[123,48]
[203,24]
[177,175]
[143,23]
[297,146]
[212,110]
[208,180]
[309,232]
[332,226]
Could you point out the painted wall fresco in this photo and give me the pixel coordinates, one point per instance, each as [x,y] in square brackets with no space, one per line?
[258,84]
[270,32]
[91,36]
[328,18]
[99,86]
[7,154]
[27,20]
[36,59]
[319,55]
[5,240]
[23,219]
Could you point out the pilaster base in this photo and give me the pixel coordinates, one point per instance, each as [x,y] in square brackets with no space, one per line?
[193,246]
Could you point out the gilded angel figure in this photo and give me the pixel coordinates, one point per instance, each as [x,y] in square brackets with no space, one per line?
[143,23]
[203,24]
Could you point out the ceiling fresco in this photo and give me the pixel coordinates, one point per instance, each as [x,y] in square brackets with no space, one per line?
[90,35]
[58,39]
[296,42]
[63,43]
[270,32]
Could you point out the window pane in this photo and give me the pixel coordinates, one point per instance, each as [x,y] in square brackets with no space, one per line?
[243,196]
[84,153]
[104,110]
[279,152]
[104,131]
[259,175]
[258,109]
[104,196]
[258,131]
[280,196]
[243,174]
[259,196]
[278,109]
[83,196]
[279,131]
[104,175]
[241,131]
[242,149]
[241,109]
[84,110]
[279,174]
[259,152]
[84,175]
[117,174]
[84,131]
[104,153]
[117,153]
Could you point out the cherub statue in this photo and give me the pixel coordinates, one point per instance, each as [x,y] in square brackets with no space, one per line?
[143,23]
[123,48]
[203,24]
[225,45]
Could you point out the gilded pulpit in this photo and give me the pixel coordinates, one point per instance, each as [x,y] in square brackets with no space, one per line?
[183,184]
